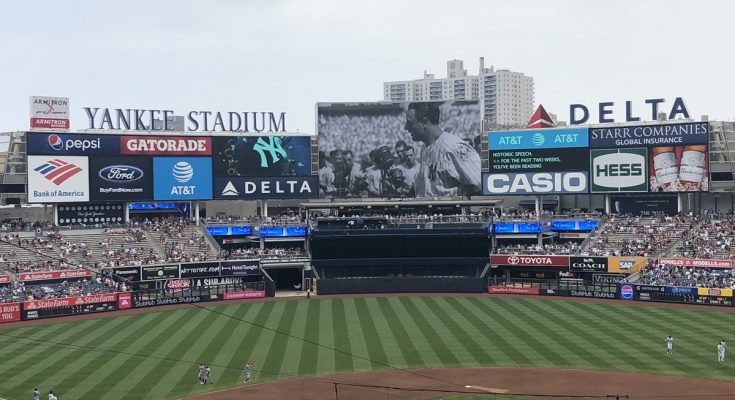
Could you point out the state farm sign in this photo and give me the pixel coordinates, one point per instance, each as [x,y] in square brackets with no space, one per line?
[200,146]
[69,301]
[42,276]
[530,261]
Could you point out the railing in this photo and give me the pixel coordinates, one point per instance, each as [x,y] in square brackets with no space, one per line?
[559,284]
[214,292]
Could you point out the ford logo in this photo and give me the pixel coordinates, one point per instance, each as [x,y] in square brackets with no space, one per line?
[121,173]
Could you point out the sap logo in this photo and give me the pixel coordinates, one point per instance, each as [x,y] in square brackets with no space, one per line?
[57,143]
[513,140]
[626,264]
[121,173]
[541,182]
[619,170]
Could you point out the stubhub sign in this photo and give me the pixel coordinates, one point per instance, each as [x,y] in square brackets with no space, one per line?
[182,178]
[535,183]
[538,139]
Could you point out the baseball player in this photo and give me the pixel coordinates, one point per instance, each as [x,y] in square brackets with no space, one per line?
[720,354]
[208,375]
[724,349]
[248,371]
[36,394]
[448,166]
[200,375]
[669,345]
[52,396]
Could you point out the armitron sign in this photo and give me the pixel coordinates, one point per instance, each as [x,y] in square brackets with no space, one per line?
[530,261]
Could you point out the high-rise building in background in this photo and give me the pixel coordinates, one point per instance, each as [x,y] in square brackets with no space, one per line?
[506,96]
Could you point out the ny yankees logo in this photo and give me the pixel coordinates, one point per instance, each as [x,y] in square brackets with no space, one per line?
[273,147]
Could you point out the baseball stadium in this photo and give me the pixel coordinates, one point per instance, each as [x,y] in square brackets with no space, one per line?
[405,250]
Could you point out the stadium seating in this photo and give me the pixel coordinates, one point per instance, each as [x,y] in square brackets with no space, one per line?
[625,235]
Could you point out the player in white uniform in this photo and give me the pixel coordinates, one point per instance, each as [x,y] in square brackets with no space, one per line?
[448,165]
[669,345]
[720,354]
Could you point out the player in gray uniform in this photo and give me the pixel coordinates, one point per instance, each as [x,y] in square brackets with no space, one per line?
[200,375]
[669,345]
[36,394]
[248,371]
[208,375]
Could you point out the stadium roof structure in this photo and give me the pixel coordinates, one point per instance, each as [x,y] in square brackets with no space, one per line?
[540,119]
[400,203]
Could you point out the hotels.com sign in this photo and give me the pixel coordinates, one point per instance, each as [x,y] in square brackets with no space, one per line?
[529,261]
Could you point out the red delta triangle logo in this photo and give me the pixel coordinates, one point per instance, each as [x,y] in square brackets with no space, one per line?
[540,119]
[57,171]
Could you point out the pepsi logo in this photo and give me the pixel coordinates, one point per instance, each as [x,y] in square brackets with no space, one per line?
[626,292]
[121,173]
[55,142]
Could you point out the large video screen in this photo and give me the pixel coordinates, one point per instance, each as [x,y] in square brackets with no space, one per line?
[397,150]
[261,156]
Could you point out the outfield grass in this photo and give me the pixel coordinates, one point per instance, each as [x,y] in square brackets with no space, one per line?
[405,332]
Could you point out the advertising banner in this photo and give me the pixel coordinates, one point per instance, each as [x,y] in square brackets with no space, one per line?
[573,225]
[9,312]
[697,263]
[679,168]
[159,272]
[68,144]
[625,265]
[588,264]
[162,301]
[716,292]
[608,278]
[255,294]
[176,286]
[280,231]
[121,178]
[534,183]
[165,145]
[182,178]
[240,268]
[538,139]
[261,156]
[595,294]
[90,214]
[6,279]
[69,301]
[573,235]
[502,227]
[50,113]
[199,270]
[529,260]
[512,290]
[619,170]
[67,275]
[58,179]
[399,150]
[539,160]
[68,306]
[131,274]
[124,301]
[214,281]
[666,294]
[650,135]
[645,205]
[297,187]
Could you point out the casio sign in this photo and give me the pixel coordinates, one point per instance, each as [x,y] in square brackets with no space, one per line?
[619,170]
[121,173]
[539,182]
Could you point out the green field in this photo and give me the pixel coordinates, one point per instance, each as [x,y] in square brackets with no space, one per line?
[154,355]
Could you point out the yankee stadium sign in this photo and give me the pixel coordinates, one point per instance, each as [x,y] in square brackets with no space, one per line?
[131,119]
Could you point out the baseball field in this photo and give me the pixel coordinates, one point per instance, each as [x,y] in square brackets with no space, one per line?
[154,355]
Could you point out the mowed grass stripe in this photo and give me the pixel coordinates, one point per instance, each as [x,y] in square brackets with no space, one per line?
[605,344]
[307,364]
[388,344]
[120,379]
[90,372]
[562,335]
[358,346]
[539,353]
[403,340]
[64,366]
[342,362]
[21,341]
[375,350]
[505,353]
[173,347]
[459,331]
[248,339]
[274,359]
[437,344]
[179,372]
[290,366]
[325,359]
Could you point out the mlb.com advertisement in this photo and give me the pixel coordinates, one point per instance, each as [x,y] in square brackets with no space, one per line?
[58,179]
[182,178]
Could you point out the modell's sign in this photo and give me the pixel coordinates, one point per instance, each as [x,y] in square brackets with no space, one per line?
[43,276]
[5,279]
[530,261]
[50,113]
[69,301]
[697,263]
[200,146]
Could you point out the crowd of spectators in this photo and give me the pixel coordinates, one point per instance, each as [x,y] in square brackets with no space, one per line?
[19,291]
[556,248]
[284,252]
[179,240]
[710,239]
[21,225]
[672,275]
[627,235]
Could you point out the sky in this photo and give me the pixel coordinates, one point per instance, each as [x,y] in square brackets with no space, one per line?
[285,56]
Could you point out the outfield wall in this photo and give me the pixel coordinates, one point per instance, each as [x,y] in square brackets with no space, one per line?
[443,284]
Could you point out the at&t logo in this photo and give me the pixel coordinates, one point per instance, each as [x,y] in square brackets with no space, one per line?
[182,172]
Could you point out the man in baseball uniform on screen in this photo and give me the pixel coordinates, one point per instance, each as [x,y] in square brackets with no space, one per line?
[448,165]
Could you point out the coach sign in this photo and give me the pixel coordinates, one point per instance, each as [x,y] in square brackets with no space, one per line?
[588,264]
[530,261]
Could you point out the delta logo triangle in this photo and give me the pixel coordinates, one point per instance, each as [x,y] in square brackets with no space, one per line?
[540,119]
[230,190]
